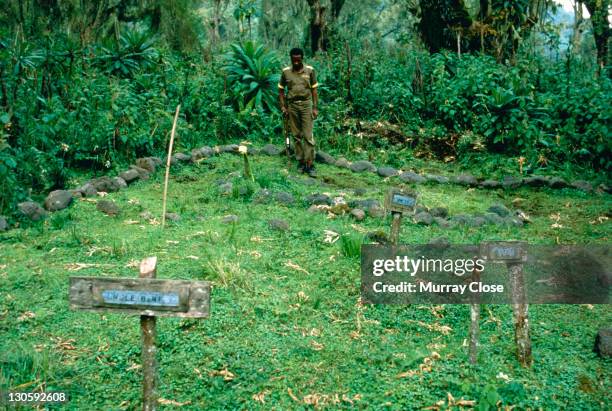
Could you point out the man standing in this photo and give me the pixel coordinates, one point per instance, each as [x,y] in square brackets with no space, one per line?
[300,106]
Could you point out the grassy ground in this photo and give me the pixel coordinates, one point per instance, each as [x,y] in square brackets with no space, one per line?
[287,330]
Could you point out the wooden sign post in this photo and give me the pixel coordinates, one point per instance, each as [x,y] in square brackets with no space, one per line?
[474,321]
[514,254]
[399,202]
[149,298]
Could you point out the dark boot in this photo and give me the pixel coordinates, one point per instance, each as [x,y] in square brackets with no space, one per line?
[311,171]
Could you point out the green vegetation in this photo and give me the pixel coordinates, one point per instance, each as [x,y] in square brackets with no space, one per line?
[286,328]
[93,87]
[496,88]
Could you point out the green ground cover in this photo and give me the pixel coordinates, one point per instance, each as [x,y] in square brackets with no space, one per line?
[287,330]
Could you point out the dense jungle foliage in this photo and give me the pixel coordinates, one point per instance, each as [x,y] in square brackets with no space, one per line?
[92,85]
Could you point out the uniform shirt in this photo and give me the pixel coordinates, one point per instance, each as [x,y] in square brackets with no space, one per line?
[299,83]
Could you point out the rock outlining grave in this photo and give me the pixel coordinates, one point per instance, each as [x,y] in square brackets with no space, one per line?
[142,173]
[462,219]
[582,185]
[226,188]
[536,181]
[511,182]
[440,243]
[119,182]
[4,226]
[278,225]
[149,163]
[284,198]
[499,209]
[174,217]
[377,236]
[387,172]
[262,196]
[490,184]
[465,179]
[365,204]
[108,207]
[88,190]
[434,178]
[198,154]
[439,212]
[76,193]
[32,210]
[361,166]
[230,219]
[271,150]
[343,163]
[412,177]
[423,218]
[442,222]
[358,214]
[603,342]
[324,158]
[230,148]
[129,176]
[318,199]
[494,218]
[58,200]
[105,184]
[605,188]
[376,212]
[180,158]
[147,215]
[557,182]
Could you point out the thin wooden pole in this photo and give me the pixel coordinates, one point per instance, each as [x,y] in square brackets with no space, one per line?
[148,268]
[395,227]
[474,322]
[163,222]
[520,314]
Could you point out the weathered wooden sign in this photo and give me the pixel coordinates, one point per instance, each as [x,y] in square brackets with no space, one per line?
[400,201]
[514,254]
[504,251]
[141,296]
[149,298]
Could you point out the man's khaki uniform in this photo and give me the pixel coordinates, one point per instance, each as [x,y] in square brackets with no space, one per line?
[299,104]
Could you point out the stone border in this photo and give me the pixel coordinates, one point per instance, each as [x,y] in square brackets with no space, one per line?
[145,166]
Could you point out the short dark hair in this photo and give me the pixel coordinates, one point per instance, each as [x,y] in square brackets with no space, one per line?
[296,52]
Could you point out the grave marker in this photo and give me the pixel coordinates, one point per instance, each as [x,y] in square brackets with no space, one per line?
[149,298]
[514,254]
[398,202]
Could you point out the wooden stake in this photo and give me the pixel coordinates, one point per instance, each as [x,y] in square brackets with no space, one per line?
[395,227]
[520,313]
[163,221]
[149,350]
[474,322]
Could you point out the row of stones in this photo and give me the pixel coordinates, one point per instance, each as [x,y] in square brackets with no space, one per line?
[497,214]
[60,199]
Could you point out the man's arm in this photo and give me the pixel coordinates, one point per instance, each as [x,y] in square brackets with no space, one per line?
[315,95]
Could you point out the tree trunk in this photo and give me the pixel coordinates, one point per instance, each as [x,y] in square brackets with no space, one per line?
[264,21]
[317,26]
[598,9]
[216,22]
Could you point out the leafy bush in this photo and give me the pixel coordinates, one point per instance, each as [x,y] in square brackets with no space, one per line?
[252,73]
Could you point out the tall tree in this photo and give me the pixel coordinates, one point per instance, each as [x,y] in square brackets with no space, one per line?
[599,11]
[322,27]
[317,25]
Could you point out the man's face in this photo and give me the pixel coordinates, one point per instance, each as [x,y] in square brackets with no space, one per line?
[296,60]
